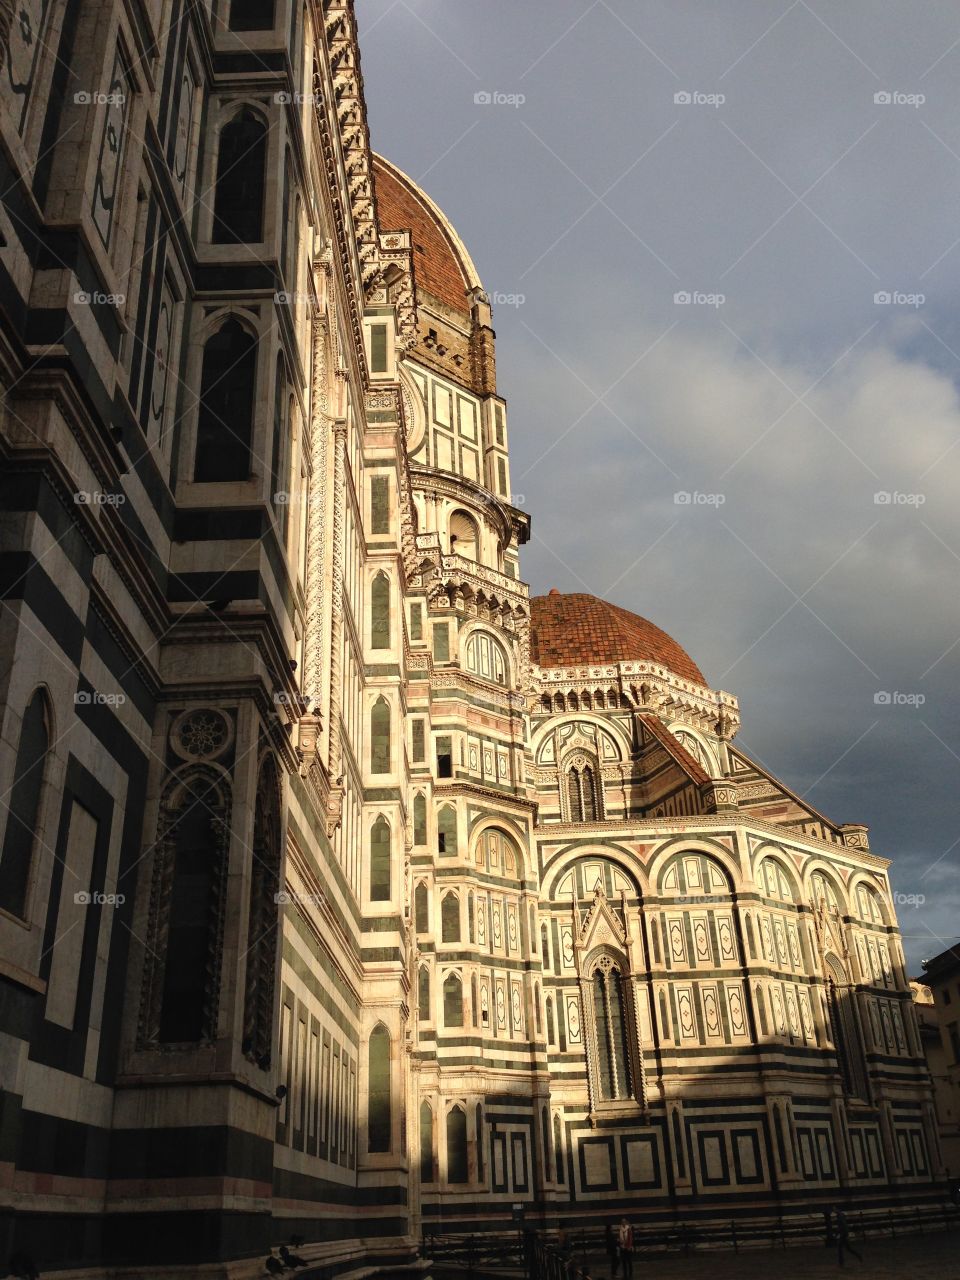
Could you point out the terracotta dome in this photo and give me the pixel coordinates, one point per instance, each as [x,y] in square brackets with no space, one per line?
[441,264]
[580,630]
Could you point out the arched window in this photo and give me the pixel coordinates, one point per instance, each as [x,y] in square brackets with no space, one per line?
[544,947]
[538,1017]
[23,805]
[380,737]
[479,1120]
[484,657]
[471,918]
[241,163]
[282,428]
[380,860]
[551,1031]
[194,853]
[426,1143]
[453,1001]
[447,830]
[421,908]
[227,396]
[379,1119]
[450,918]
[457,1165]
[610,1031]
[558,1148]
[261,947]
[423,993]
[380,612]
[463,536]
[419,818]
[582,792]
[251,15]
[845,1033]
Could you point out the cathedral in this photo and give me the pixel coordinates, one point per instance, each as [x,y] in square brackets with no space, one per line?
[348,892]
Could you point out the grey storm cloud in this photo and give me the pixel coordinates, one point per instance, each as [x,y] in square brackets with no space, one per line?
[724,252]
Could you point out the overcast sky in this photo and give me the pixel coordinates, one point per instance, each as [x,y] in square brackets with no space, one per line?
[814,166]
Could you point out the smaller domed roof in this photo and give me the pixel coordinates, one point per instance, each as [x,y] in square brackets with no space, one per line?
[581,630]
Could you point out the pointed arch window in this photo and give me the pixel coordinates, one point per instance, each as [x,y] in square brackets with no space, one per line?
[421,908]
[427,1173]
[241,165]
[419,818]
[261,951]
[457,1164]
[583,791]
[23,806]
[187,913]
[611,1055]
[447,831]
[227,396]
[558,1148]
[453,1001]
[380,612]
[846,1035]
[380,860]
[450,918]
[423,993]
[479,1121]
[379,1117]
[380,737]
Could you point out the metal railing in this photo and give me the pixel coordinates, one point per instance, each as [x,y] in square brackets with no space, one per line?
[580,1253]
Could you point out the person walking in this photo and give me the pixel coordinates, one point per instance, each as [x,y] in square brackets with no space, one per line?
[610,1241]
[841,1230]
[625,1248]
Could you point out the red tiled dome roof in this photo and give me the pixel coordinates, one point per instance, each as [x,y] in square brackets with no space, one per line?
[437,266]
[580,630]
